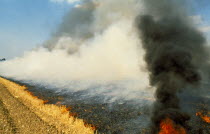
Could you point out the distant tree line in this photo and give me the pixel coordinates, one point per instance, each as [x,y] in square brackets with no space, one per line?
[3,59]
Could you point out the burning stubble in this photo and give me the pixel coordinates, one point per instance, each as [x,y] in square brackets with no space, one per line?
[174,49]
[96,49]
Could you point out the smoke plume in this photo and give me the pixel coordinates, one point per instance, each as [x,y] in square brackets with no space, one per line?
[96,45]
[77,24]
[174,51]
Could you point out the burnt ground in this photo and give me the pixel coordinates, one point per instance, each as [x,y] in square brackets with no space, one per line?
[109,118]
[192,105]
[121,117]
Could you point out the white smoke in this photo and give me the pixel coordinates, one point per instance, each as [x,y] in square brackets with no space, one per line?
[112,56]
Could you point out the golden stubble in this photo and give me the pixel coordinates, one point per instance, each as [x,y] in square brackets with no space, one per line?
[58,116]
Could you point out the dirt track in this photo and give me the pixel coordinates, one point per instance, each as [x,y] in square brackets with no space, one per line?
[15,117]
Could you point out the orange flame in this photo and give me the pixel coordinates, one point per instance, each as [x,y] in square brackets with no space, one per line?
[45,101]
[168,126]
[203,117]
[90,125]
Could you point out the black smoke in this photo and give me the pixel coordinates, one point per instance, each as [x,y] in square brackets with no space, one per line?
[175,55]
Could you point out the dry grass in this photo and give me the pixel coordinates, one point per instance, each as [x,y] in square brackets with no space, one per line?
[57,116]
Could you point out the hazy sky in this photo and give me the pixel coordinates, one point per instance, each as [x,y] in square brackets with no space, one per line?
[25,24]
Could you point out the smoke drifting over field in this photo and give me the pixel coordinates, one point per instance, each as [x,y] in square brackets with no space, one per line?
[96,44]
[120,50]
